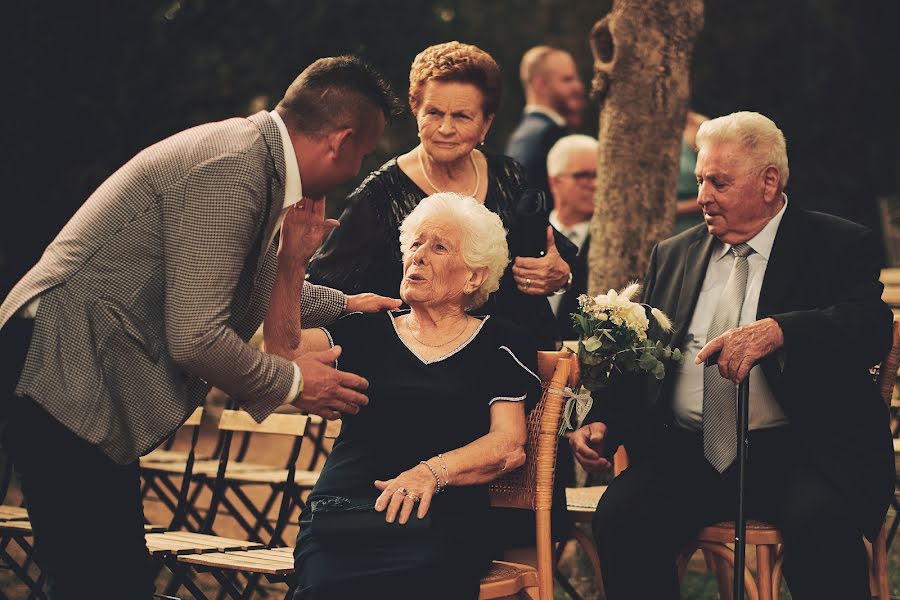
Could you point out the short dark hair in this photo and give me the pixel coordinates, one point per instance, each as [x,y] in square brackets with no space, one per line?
[335,92]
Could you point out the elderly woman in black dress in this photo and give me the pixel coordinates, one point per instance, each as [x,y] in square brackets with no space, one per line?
[454,92]
[447,395]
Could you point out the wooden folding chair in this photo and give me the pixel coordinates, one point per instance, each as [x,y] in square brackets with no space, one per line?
[530,487]
[161,467]
[767,538]
[276,564]
[233,421]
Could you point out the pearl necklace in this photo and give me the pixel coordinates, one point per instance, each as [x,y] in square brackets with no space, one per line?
[435,188]
[455,337]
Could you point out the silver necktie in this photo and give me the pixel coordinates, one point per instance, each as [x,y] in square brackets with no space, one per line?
[720,394]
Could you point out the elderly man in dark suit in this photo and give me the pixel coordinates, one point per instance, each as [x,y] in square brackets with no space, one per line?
[147,297]
[553,90]
[572,174]
[791,299]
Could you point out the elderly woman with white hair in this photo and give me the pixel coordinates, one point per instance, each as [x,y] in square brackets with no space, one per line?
[401,508]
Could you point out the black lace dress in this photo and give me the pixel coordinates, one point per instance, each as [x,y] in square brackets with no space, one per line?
[417,408]
[363,254]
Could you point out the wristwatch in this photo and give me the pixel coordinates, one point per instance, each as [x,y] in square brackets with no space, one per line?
[565,288]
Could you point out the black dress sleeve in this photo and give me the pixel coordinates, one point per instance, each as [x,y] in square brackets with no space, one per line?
[354,334]
[358,256]
[513,366]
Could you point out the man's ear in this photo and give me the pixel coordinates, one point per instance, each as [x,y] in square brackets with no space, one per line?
[771,183]
[338,140]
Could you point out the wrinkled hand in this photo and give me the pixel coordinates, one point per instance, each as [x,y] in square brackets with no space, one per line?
[418,482]
[370,303]
[587,444]
[303,230]
[541,276]
[328,392]
[743,347]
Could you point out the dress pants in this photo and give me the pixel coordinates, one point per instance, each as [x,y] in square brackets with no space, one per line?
[85,509]
[656,507]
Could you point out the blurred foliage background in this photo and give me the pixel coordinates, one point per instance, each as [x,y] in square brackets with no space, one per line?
[90,83]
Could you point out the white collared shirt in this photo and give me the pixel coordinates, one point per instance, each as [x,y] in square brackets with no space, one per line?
[546,110]
[293,187]
[293,192]
[577,234]
[687,399]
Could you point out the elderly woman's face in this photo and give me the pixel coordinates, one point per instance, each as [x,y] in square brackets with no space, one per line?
[451,119]
[434,271]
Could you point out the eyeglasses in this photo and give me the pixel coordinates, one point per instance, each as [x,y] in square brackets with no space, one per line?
[581,176]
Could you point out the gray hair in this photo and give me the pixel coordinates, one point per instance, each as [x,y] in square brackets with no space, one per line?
[756,133]
[484,238]
[564,148]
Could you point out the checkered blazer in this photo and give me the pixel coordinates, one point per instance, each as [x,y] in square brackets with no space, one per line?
[151,290]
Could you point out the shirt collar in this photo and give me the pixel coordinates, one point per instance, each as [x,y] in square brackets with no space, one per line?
[547,111]
[763,241]
[293,188]
[580,229]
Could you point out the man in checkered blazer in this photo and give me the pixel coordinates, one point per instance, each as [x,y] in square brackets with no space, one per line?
[147,297]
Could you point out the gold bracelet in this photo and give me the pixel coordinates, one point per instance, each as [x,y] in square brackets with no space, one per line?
[444,469]
[440,484]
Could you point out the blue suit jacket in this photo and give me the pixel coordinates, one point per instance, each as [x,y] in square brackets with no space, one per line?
[529,144]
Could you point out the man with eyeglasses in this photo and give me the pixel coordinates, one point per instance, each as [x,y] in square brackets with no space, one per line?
[572,176]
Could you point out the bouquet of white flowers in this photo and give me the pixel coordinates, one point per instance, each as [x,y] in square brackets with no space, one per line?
[613,338]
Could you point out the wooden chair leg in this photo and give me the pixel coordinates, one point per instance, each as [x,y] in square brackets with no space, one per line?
[726,554]
[777,565]
[764,565]
[878,568]
[724,575]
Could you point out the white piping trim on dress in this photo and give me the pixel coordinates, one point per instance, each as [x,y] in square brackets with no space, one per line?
[515,358]
[330,343]
[507,399]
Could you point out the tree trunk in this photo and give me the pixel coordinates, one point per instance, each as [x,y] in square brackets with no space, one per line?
[642,51]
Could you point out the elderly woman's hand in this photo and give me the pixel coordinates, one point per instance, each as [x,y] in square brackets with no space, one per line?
[400,494]
[303,230]
[541,276]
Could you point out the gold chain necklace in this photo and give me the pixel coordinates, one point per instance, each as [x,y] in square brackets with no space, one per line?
[435,188]
[455,337]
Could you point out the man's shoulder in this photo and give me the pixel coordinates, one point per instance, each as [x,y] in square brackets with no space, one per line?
[235,134]
[534,126]
[681,241]
[828,223]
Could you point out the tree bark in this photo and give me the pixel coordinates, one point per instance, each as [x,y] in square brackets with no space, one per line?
[642,51]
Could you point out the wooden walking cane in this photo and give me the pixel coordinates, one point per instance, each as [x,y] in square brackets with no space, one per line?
[740,525]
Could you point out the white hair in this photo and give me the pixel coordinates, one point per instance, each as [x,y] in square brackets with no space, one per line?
[564,148]
[756,133]
[484,238]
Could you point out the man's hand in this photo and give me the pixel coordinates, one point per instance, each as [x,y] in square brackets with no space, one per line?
[370,303]
[541,276]
[303,231]
[587,446]
[328,392]
[743,347]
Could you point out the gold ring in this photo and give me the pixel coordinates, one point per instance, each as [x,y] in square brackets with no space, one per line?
[527,282]
[413,497]
[402,491]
